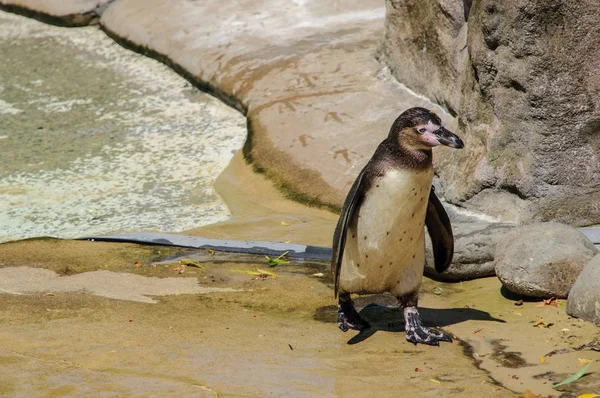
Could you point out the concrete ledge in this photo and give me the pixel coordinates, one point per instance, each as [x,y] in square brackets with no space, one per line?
[58,12]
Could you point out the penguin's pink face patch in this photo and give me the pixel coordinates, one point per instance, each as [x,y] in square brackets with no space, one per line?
[427,134]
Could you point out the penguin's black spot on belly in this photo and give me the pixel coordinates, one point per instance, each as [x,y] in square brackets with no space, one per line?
[365,238]
[377,186]
[354,236]
[357,265]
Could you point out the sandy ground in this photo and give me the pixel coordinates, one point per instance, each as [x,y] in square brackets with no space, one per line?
[277,337]
[264,336]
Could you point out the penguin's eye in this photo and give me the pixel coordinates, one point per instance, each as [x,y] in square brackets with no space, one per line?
[422,130]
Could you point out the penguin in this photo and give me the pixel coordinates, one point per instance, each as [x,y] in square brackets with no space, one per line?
[379,241]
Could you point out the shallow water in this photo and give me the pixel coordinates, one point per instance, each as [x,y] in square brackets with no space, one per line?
[96,139]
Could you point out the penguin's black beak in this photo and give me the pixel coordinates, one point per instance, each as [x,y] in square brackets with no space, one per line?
[448,138]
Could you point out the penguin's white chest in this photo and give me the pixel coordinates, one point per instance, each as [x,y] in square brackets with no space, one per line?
[385,243]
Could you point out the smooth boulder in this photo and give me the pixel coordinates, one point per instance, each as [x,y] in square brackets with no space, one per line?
[584,298]
[542,259]
[474,247]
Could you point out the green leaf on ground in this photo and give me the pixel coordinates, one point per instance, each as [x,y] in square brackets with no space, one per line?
[274,262]
[575,377]
[192,263]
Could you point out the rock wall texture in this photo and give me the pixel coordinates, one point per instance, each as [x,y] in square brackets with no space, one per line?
[529,100]
[425,46]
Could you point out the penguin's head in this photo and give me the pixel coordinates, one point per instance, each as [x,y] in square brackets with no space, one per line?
[420,128]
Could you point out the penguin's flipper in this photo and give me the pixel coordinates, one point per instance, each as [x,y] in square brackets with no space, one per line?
[351,204]
[440,231]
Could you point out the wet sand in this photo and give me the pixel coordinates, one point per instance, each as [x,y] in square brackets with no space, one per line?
[259,211]
[276,338]
[269,337]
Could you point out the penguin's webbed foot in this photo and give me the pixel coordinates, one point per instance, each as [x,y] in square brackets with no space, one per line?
[416,332]
[348,317]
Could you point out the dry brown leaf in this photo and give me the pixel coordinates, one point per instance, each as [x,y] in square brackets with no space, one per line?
[539,323]
[550,301]
[180,269]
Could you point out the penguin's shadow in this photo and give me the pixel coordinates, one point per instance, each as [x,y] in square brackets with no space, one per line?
[390,319]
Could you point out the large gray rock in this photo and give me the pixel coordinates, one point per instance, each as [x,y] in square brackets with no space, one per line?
[529,98]
[584,298]
[530,113]
[474,247]
[425,47]
[543,259]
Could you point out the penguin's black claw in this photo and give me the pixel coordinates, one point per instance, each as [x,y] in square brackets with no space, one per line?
[417,333]
[421,336]
[354,321]
[441,336]
[424,335]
